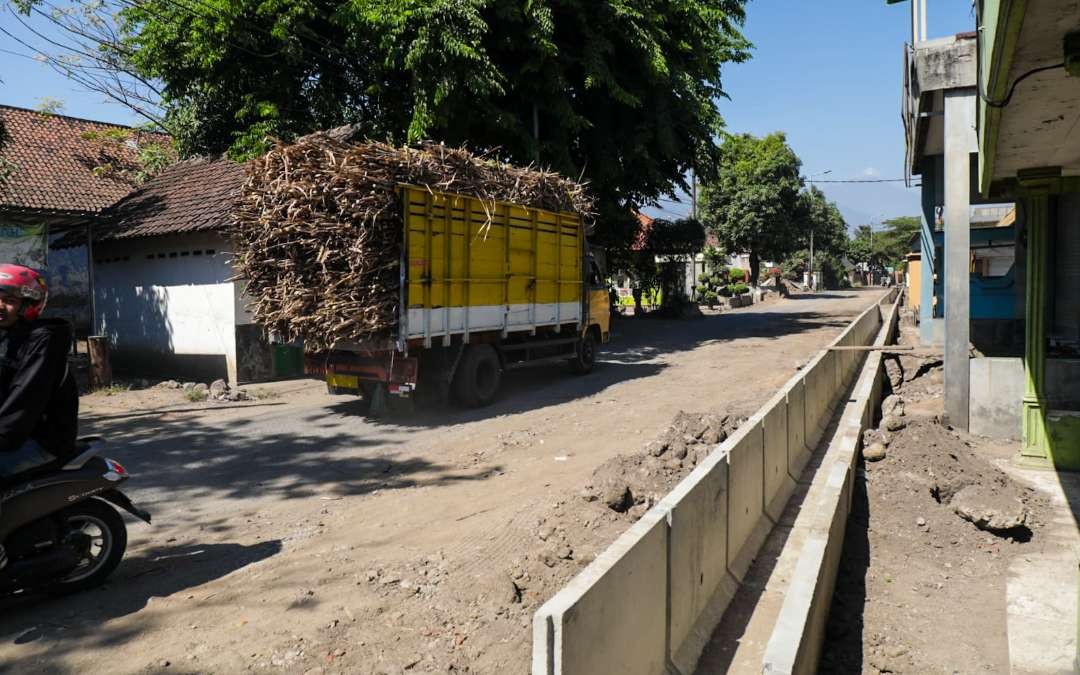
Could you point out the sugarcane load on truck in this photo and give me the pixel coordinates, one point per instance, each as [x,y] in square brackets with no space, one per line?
[422,267]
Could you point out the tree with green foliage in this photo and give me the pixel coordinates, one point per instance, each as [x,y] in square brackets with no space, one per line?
[823,218]
[673,242]
[753,201]
[894,240]
[886,247]
[620,92]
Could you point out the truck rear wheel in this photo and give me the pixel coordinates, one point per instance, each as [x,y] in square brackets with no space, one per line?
[584,354]
[478,376]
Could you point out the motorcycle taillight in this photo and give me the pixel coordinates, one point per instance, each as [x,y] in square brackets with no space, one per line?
[116,467]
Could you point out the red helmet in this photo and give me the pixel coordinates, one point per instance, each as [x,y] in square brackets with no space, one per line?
[27,284]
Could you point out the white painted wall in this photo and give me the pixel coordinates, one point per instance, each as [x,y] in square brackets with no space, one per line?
[168,295]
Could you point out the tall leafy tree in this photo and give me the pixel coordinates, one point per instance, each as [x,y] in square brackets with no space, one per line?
[886,246]
[621,92]
[818,215]
[753,203]
[895,238]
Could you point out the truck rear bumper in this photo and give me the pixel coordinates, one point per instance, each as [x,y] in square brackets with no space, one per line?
[349,372]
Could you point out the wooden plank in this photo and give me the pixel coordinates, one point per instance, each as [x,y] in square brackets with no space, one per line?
[871,348]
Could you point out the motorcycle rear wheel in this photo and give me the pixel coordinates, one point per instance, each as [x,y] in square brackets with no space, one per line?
[108,541]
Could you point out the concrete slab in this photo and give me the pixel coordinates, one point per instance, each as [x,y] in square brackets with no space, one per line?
[786,650]
[701,586]
[778,483]
[606,619]
[821,392]
[996,386]
[798,451]
[1042,589]
[650,602]
[747,524]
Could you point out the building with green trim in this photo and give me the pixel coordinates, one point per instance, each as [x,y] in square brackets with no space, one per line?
[993,116]
[1028,126]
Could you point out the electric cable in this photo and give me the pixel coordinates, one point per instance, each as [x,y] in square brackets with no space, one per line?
[979,63]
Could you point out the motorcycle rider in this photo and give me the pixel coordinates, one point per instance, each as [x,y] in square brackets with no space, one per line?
[39,400]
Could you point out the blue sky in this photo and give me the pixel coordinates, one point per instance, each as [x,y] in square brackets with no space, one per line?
[827,73]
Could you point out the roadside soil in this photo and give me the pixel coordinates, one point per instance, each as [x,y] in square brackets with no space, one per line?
[293,535]
[921,589]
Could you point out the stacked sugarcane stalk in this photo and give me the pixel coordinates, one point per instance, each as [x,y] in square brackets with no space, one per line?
[318,232]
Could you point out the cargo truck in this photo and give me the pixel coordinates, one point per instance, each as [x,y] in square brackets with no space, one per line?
[486,287]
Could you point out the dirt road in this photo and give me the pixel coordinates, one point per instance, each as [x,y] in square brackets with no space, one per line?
[293,535]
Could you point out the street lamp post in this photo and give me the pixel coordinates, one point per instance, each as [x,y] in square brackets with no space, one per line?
[813,284]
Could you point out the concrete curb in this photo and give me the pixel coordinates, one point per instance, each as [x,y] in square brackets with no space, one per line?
[651,601]
[795,644]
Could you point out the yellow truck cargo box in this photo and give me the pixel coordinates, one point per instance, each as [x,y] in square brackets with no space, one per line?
[477,266]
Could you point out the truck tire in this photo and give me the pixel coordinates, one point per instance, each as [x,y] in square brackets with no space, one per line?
[478,376]
[584,354]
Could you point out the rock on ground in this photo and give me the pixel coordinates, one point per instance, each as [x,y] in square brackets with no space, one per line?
[892,423]
[874,452]
[895,372]
[989,509]
[892,405]
[219,388]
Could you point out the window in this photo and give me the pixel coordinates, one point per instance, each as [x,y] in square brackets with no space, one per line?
[593,277]
[990,262]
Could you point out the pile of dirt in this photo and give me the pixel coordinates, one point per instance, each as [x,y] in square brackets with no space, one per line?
[317,229]
[933,528]
[633,483]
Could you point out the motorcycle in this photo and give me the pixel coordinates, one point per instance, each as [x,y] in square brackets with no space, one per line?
[59,524]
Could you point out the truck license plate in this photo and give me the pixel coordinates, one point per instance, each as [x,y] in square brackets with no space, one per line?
[343,381]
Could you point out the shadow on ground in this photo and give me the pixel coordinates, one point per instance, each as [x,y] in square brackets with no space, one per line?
[843,648]
[156,572]
[639,348]
[328,447]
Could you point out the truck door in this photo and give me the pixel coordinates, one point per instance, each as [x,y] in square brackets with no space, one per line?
[599,310]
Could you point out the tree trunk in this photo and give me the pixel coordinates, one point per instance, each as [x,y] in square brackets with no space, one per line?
[755,262]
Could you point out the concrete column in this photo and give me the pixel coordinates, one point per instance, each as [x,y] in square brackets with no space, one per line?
[931,172]
[1037,222]
[960,141]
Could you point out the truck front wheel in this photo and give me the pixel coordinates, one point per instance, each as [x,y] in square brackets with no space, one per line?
[478,376]
[584,354]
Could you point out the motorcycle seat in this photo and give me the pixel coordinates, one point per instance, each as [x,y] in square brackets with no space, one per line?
[86,448]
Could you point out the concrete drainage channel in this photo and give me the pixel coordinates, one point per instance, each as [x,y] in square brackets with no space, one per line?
[651,602]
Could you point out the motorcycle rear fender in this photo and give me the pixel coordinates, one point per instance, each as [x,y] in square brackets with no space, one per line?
[50,493]
[120,499]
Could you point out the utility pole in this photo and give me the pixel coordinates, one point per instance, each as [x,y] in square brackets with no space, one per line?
[693,193]
[813,282]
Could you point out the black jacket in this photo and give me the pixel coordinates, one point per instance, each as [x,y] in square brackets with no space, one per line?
[39,399]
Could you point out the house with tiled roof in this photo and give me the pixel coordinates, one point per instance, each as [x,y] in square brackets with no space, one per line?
[57,173]
[164,289]
[690,268]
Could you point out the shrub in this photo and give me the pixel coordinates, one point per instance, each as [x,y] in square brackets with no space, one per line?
[735,275]
[710,298]
[196,395]
[739,289]
[113,389]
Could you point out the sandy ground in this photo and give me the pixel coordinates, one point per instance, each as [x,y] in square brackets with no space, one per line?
[293,535]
